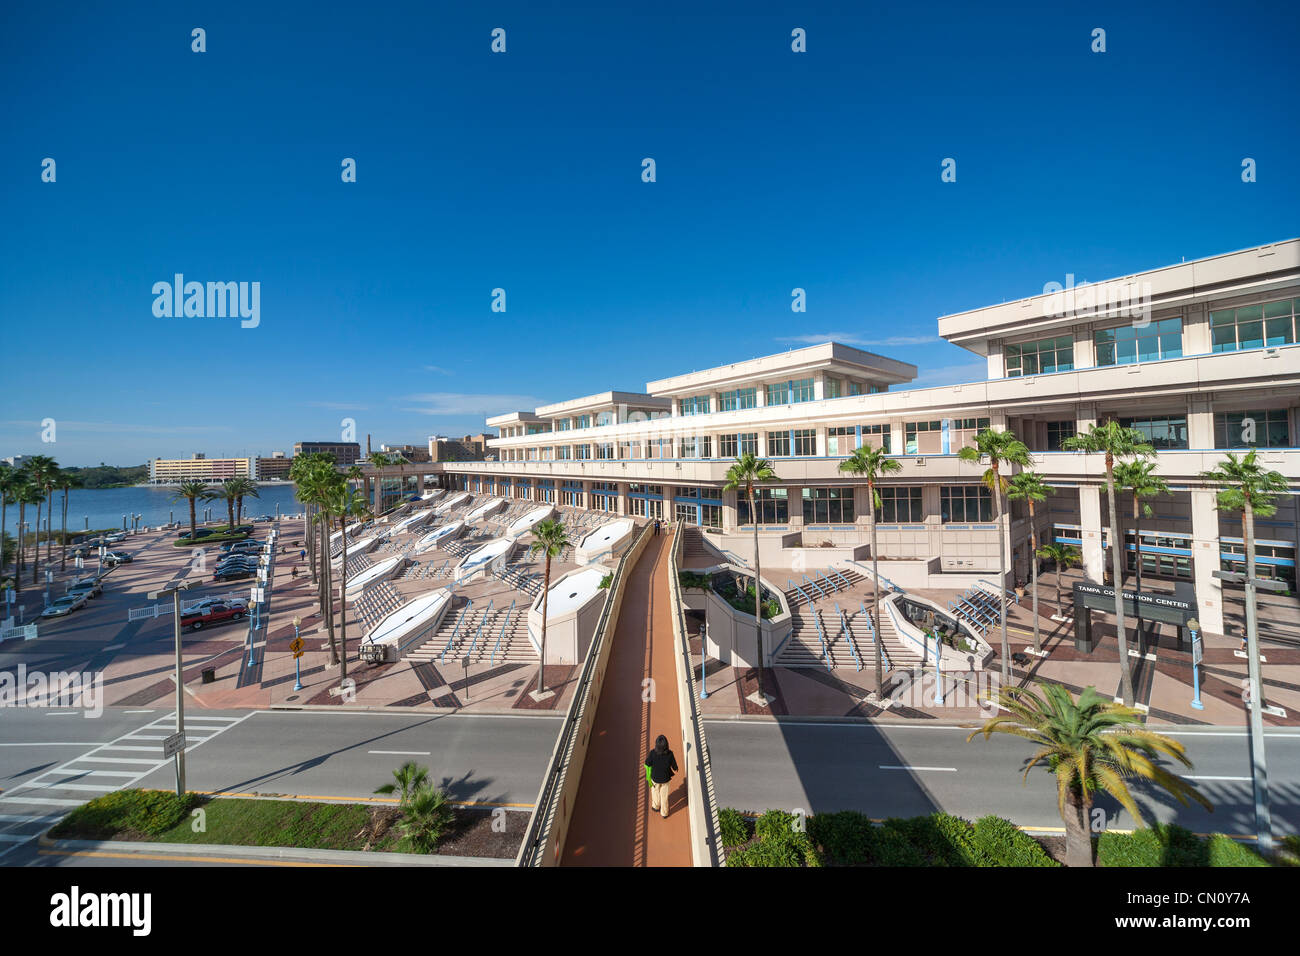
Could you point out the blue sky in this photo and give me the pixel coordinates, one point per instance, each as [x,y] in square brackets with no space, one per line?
[522,171]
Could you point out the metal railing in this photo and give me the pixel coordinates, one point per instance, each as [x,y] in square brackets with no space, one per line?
[875,636]
[880,577]
[469,603]
[813,584]
[547,805]
[821,637]
[848,636]
[487,612]
[504,624]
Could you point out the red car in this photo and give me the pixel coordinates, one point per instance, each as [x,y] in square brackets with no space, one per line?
[215,613]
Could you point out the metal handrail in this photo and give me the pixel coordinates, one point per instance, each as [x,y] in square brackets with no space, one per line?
[486,613]
[802,593]
[821,637]
[875,637]
[831,586]
[813,585]
[1011,594]
[469,603]
[843,580]
[878,577]
[848,636]
[497,646]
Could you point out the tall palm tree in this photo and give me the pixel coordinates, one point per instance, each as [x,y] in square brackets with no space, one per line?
[228,491]
[10,478]
[1063,556]
[871,464]
[1117,444]
[1002,449]
[26,493]
[1245,486]
[748,471]
[1093,746]
[1029,487]
[67,481]
[1140,480]
[193,491]
[551,539]
[350,505]
[316,480]
[247,487]
[44,471]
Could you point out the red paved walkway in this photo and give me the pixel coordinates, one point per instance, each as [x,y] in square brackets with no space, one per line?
[612,824]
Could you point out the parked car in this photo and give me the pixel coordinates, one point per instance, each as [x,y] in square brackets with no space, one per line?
[86,587]
[198,533]
[234,573]
[117,557]
[199,606]
[261,518]
[213,613]
[115,537]
[64,605]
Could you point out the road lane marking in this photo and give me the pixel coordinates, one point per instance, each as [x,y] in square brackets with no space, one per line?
[885,766]
[401,753]
[1235,779]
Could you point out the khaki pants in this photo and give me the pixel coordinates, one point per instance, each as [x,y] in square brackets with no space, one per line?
[659,798]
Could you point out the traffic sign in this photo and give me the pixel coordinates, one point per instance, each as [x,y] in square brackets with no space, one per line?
[173,745]
[1198,651]
[296,645]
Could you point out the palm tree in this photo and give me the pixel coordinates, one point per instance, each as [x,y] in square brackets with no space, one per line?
[247,487]
[192,491]
[349,504]
[43,471]
[407,779]
[316,482]
[1062,555]
[1139,478]
[1093,746]
[871,464]
[25,493]
[1117,443]
[1029,487]
[67,481]
[1000,448]
[228,491]
[748,471]
[10,478]
[1247,487]
[550,538]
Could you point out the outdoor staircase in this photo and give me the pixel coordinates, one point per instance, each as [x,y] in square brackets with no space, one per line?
[902,652]
[698,551]
[450,644]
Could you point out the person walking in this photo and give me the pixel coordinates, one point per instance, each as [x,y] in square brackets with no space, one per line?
[656,525]
[660,765]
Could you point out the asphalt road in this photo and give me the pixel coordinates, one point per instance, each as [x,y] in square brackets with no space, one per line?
[891,770]
[52,760]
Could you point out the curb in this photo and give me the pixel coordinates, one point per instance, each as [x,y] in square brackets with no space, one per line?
[281,854]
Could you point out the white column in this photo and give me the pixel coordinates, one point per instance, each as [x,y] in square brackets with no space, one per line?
[997,368]
[1090,534]
[1205,561]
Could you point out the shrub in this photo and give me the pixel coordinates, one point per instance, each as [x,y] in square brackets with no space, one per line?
[891,847]
[735,828]
[1159,845]
[997,842]
[128,811]
[774,824]
[1225,851]
[943,839]
[788,849]
[844,837]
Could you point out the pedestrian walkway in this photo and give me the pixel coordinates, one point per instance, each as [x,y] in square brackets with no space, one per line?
[612,823]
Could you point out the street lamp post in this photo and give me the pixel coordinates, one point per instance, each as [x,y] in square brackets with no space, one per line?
[1194,627]
[175,592]
[704,660]
[938,673]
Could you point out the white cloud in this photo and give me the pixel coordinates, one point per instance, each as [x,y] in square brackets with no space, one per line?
[339,406]
[438,368]
[456,403]
[848,338]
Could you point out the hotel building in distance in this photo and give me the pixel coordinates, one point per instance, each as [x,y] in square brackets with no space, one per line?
[1209,363]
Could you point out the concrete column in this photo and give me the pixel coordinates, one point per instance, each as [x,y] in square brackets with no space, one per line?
[1090,534]
[622,497]
[729,511]
[1085,418]
[1085,348]
[795,503]
[997,364]
[1200,422]
[1205,561]
[1197,338]
[819,386]
[897,438]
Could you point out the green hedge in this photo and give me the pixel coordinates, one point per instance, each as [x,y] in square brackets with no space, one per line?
[1169,845]
[149,812]
[735,827]
[998,842]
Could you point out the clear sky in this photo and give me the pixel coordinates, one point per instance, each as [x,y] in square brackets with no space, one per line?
[522,171]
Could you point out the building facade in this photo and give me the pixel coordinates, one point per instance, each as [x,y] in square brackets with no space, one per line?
[343,452]
[468,448]
[1200,357]
[275,468]
[199,468]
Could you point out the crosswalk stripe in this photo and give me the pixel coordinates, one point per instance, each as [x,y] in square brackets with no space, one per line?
[117,759]
[42,801]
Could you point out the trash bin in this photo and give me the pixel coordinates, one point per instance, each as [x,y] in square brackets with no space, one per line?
[209,675]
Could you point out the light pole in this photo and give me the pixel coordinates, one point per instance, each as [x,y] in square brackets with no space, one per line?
[297,659]
[175,592]
[704,660]
[938,673]
[1194,627]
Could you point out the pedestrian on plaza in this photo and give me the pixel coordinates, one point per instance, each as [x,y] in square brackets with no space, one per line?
[656,525]
[294,573]
[660,765]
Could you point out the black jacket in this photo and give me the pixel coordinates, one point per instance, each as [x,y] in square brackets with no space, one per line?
[662,765]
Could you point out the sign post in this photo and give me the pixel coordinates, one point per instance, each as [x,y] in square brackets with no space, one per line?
[175,592]
[1198,654]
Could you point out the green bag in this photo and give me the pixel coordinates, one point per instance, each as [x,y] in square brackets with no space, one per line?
[647,777]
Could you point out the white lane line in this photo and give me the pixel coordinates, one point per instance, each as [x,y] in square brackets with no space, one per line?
[887,766]
[42,801]
[401,753]
[1234,779]
[61,713]
[23,818]
[108,788]
[137,711]
[17,837]
[149,760]
[56,743]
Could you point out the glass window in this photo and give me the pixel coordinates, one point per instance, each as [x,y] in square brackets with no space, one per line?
[1044,355]
[1161,432]
[1260,429]
[1057,432]
[696,405]
[841,440]
[778,394]
[737,399]
[805,442]
[827,505]
[931,445]
[965,503]
[834,388]
[802,390]
[778,444]
[1254,326]
[727,446]
[772,503]
[899,505]
[1126,344]
[877,436]
[748,443]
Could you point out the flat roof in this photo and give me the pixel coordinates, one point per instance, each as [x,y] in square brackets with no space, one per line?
[1254,269]
[602,400]
[828,356]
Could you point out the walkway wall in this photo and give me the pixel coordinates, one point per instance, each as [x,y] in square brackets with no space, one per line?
[543,843]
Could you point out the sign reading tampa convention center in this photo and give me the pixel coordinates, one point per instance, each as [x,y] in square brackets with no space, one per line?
[1176,608]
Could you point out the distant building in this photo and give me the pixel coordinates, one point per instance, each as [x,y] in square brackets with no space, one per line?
[275,468]
[15,460]
[468,448]
[343,452]
[199,468]
[412,453]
